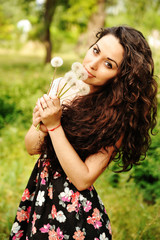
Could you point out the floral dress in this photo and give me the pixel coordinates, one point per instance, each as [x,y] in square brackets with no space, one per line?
[52,208]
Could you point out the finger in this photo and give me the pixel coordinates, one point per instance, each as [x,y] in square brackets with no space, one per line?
[49,101]
[36,122]
[53,98]
[40,107]
[43,102]
[36,114]
[56,102]
[35,109]
[37,102]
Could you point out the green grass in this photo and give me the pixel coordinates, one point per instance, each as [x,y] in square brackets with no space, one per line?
[24,78]
[131,218]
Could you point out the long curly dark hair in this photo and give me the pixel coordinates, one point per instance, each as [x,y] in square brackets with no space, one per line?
[126,106]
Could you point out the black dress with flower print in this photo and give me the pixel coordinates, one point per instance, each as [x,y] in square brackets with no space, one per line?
[52,208]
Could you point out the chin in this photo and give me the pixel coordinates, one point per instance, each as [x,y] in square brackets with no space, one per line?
[86,81]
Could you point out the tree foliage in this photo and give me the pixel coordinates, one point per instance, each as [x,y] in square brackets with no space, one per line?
[60,15]
[8,19]
[77,14]
[145,12]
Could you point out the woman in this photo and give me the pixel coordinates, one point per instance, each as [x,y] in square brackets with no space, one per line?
[79,139]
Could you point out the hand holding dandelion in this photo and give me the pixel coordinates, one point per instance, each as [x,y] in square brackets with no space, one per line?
[72,79]
[55,62]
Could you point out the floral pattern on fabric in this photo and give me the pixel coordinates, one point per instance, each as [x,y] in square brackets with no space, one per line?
[52,208]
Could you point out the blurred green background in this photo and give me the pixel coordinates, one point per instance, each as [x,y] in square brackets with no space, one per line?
[33,31]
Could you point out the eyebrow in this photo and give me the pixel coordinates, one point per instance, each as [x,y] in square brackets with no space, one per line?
[107,57]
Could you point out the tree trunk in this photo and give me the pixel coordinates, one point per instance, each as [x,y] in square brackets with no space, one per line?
[48,46]
[50,7]
[95,23]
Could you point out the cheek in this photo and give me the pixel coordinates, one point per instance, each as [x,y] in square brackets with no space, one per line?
[87,57]
[105,76]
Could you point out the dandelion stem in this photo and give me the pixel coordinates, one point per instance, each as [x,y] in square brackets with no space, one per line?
[50,87]
[38,127]
[52,81]
[54,73]
[62,89]
[65,91]
[71,94]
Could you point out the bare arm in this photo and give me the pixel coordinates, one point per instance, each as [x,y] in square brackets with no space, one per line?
[82,174]
[34,138]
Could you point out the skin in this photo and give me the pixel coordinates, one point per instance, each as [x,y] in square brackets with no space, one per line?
[102,61]
[48,110]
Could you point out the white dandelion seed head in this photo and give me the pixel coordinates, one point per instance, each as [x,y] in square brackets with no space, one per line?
[70,76]
[82,74]
[71,79]
[77,67]
[85,90]
[56,62]
[79,84]
[83,87]
[73,85]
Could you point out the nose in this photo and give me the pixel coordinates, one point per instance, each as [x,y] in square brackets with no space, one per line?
[94,64]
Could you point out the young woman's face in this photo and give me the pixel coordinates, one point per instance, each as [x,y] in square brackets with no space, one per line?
[102,61]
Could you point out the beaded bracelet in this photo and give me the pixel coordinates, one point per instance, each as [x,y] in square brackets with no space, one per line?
[54,128]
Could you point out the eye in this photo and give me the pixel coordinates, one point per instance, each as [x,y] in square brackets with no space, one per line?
[108,65]
[95,50]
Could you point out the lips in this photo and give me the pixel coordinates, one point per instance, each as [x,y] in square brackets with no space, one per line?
[90,75]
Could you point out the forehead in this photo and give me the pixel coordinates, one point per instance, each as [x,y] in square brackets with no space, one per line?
[110,47]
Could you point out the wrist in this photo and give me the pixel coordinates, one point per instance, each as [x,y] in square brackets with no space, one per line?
[51,129]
